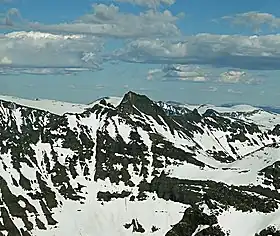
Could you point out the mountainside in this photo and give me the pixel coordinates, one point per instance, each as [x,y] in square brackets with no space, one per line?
[138,167]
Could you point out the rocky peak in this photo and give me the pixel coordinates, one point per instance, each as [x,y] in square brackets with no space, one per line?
[133,102]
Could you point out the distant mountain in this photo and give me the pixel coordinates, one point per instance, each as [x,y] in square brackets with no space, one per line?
[271,109]
[266,108]
[132,166]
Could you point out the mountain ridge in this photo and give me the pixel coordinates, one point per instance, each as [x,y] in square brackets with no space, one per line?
[137,167]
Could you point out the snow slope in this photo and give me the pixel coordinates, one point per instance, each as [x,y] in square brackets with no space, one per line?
[56,107]
[131,167]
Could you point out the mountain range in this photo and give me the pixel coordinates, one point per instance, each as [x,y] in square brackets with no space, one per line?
[132,166]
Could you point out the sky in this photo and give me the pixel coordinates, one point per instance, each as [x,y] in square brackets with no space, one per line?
[190,51]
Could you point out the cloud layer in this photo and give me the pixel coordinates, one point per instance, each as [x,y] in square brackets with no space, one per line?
[45,50]
[107,21]
[146,37]
[195,73]
[254,20]
[234,77]
[235,51]
[42,50]
[80,43]
[179,73]
[149,3]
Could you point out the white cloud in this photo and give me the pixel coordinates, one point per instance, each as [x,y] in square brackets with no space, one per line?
[41,53]
[184,73]
[109,21]
[197,73]
[11,17]
[152,73]
[5,61]
[254,20]
[234,77]
[178,72]
[149,3]
[40,71]
[148,50]
[234,91]
[235,51]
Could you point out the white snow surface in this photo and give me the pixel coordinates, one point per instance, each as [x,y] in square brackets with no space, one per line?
[52,106]
[57,107]
[236,108]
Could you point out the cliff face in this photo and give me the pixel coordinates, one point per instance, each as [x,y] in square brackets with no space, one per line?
[136,168]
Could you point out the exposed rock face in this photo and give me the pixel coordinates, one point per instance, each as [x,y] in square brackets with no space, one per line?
[138,168]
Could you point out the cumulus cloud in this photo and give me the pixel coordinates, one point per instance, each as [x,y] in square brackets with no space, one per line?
[184,73]
[178,72]
[234,77]
[5,61]
[234,51]
[77,44]
[11,18]
[109,21]
[197,73]
[153,73]
[254,20]
[40,53]
[151,51]
[149,3]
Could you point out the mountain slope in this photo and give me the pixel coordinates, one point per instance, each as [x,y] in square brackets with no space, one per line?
[136,167]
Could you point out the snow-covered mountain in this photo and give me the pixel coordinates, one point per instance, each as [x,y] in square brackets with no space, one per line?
[132,166]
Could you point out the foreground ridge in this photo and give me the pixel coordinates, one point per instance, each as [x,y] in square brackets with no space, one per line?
[134,166]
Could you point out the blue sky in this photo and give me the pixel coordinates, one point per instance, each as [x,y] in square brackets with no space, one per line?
[185,50]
